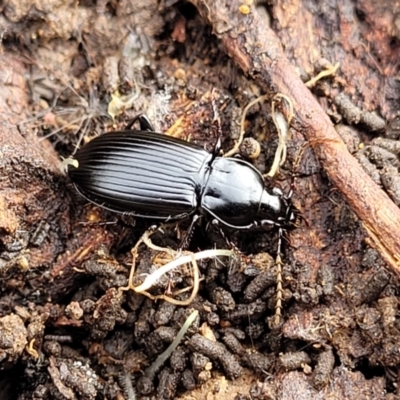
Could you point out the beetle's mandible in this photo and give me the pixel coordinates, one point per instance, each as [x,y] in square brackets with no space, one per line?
[151,175]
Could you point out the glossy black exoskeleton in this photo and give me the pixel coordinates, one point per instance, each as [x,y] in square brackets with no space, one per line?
[150,175]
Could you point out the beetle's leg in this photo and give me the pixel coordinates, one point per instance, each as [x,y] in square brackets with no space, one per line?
[291,190]
[144,122]
[189,233]
[267,224]
[290,194]
[231,245]
[287,198]
[132,121]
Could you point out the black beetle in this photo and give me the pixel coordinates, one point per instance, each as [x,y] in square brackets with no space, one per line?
[151,175]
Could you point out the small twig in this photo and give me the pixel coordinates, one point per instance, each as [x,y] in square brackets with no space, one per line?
[282,126]
[134,252]
[125,382]
[151,371]
[327,72]
[155,276]
[195,289]
[147,241]
[236,147]
[31,350]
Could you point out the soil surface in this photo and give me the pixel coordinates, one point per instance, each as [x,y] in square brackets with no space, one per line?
[324,323]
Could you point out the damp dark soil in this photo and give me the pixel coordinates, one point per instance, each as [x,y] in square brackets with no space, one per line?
[72,325]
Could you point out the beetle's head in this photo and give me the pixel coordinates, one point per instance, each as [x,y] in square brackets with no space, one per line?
[277,210]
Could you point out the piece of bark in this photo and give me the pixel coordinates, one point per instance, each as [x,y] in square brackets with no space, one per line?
[256,49]
[34,197]
[30,189]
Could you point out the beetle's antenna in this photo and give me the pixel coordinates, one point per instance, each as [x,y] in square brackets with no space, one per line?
[279,289]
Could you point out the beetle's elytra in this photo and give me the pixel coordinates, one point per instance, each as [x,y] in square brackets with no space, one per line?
[151,175]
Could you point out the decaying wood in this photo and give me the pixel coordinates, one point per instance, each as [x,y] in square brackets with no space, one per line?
[33,194]
[256,49]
